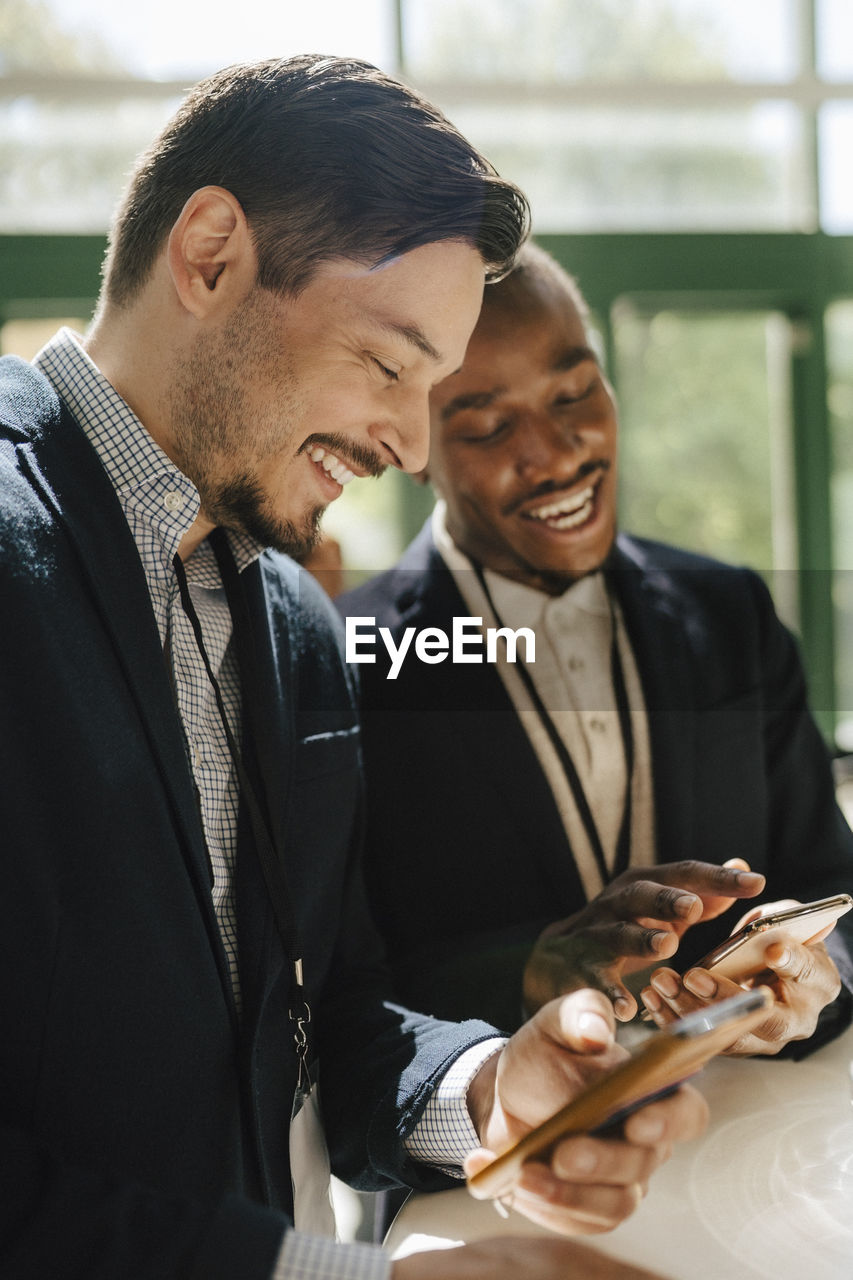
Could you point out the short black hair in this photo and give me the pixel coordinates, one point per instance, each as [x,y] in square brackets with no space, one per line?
[535,270]
[328,157]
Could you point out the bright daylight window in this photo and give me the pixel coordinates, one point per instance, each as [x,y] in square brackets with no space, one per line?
[655,114]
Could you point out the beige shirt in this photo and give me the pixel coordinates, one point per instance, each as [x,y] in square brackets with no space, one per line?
[572,675]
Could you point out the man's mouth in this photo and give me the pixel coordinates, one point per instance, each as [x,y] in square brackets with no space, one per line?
[568,512]
[331,464]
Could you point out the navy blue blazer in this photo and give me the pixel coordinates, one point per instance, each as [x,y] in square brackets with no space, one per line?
[466,857]
[143,1129]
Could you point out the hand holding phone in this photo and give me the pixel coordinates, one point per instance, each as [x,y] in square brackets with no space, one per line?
[663,1062]
[741,955]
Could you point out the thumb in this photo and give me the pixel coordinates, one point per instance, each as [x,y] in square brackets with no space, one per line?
[619,997]
[582,1021]
[477,1160]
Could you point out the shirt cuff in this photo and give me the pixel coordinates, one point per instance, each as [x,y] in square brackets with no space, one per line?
[305,1257]
[444,1134]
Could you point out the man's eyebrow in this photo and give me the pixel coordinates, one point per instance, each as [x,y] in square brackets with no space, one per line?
[572,356]
[568,358]
[413,334]
[470,400]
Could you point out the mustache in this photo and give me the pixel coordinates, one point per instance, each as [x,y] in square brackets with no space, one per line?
[547,487]
[359,457]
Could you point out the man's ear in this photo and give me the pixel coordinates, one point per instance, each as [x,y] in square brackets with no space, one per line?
[210,254]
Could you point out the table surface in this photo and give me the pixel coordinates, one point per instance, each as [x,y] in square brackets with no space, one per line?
[766,1192]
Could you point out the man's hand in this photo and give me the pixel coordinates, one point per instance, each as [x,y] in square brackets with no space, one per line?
[588,1184]
[802,977]
[513,1258]
[635,921]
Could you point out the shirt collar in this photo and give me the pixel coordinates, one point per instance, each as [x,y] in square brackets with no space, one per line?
[518,604]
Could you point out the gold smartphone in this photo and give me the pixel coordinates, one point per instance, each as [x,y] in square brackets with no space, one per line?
[741,955]
[661,1063]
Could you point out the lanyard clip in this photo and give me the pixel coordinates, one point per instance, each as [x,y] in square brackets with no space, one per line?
[300,1016]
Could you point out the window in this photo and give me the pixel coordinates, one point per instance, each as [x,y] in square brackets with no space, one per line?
[705,443]
[68,66]
[646,167]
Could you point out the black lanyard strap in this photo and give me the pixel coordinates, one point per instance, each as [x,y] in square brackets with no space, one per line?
[623,843]
[269,856]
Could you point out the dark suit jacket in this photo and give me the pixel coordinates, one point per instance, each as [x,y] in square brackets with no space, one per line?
[143,1131]
[467,859]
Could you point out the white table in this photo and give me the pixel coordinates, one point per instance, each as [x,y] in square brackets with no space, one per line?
[766,1192]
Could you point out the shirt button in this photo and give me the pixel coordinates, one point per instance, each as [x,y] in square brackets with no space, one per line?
[173,501]
[598,725]
[576,664]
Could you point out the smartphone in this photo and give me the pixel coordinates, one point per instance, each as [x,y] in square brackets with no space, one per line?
[741,955]
[661,1063]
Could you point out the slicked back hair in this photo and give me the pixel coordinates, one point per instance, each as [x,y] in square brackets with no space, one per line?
[328,157]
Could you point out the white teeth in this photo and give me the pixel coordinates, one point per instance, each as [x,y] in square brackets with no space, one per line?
[331,465]
[570,522]
[569,511]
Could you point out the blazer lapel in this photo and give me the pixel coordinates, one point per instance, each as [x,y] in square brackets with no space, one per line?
[534,820]
[650,604]
[72,482]
[268,728]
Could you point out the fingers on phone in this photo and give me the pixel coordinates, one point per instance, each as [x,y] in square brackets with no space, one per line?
[651,1000]
[807,964]
[786,960]
[665,1008]
[701,983]
[574,1208]
[652,900]
[680,996]
[626,937]
[681,1116]
[657,1009]
[730,880]
[667,983]
[586,1159]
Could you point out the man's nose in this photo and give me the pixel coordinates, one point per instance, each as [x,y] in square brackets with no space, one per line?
[404,435]
[552,442]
